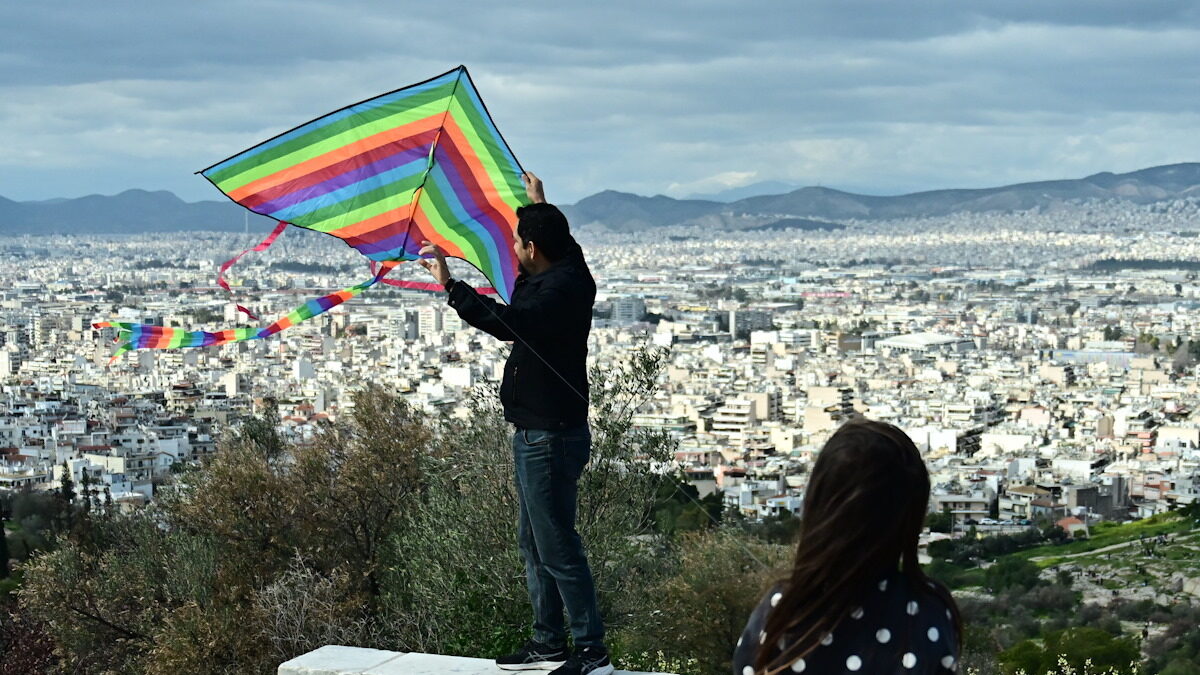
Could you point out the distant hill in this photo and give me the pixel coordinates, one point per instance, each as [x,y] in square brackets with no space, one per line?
[625,212]
[142,211]
[130,211]
[766,187]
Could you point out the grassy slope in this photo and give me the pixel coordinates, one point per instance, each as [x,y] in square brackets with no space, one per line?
[1107,534]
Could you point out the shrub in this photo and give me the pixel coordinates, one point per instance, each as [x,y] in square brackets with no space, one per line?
[1010,572]
[699,607]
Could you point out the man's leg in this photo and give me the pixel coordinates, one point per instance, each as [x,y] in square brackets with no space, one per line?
[548,626]
[550,493]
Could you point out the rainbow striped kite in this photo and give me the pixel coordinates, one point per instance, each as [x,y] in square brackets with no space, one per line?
[424,162]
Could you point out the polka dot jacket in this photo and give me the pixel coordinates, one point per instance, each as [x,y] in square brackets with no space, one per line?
[894,631]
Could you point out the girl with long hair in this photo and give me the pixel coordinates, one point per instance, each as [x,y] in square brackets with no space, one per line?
[856,599]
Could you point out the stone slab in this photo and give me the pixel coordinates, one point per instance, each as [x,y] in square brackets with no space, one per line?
[336,660]
[435,664]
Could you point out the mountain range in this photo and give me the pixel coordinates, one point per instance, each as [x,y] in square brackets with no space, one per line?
[161,211]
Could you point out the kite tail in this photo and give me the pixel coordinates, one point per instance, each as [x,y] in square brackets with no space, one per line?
[425,285]
[262,246]
[148,336]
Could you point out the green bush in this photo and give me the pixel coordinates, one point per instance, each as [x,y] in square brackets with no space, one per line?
[1080,649]
[391,529]
[695,607]
[180,587]
[1010,572]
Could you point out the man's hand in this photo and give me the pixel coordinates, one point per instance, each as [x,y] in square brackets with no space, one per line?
[437,266]
[533,188]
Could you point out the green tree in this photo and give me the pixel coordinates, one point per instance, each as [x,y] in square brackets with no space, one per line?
[679,508]
[942,521]
[66,496]
[1023,657]
[3,551]
[1076,647]
[1054,533]
[193,583]
[1010,572]
[1065,578]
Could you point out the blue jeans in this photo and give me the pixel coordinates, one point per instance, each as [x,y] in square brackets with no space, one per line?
[548,466]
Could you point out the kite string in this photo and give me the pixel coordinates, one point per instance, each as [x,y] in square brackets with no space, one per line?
[262,246]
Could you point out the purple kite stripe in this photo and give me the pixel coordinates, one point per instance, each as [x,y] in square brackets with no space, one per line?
[386,244]
[349,178]
[501,235]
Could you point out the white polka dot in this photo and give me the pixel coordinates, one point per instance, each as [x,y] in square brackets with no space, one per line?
[762,637]
[799,666]
[912,607]
[883,635]
[775,599]
[948,615]
[853,663]
[782,645]
[827,640]
[909,660]
[883,585]
[947,661]
[748,670]
[740,641]
[933,634]
[857,613]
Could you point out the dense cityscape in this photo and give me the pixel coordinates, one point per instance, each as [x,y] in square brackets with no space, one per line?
[995,341]
[1044,362]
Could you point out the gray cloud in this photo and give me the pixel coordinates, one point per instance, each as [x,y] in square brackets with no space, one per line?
[645,97]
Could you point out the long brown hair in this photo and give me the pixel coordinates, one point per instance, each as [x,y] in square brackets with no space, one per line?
[863,512]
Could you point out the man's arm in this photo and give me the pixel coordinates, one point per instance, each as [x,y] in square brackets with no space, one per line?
[479,311]
[504,322]
[525,321]
[472,307]
[533,188]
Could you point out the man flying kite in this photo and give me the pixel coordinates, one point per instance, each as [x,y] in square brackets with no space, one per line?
[545,396]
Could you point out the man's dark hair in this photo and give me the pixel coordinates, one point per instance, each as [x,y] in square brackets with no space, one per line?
[546,227]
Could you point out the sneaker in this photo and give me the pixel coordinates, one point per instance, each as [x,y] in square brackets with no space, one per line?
[587,661]
[534,656]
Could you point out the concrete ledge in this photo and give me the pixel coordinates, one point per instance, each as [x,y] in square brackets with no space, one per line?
[338,660]
[335,660]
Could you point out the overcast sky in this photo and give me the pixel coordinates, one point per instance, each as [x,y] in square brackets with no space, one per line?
[649,97]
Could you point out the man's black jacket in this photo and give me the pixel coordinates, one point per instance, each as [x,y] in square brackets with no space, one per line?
[545,378]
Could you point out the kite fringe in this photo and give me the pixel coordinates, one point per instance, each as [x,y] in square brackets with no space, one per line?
[425,285]
[261,246]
